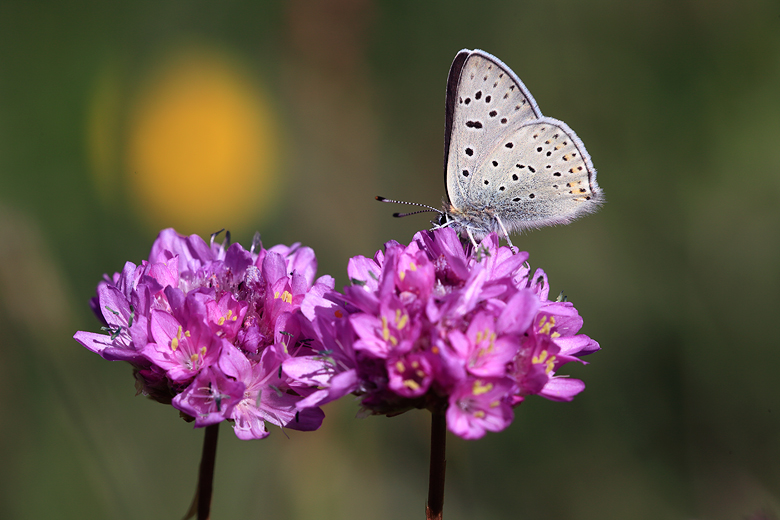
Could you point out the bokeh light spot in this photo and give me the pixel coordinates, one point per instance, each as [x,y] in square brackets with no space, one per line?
[202,149]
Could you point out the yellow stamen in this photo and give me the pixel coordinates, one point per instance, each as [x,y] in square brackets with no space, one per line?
[480,388]
[550,364]
[385,329]
[546,326]
[226,317]
[400,321]
[175,341]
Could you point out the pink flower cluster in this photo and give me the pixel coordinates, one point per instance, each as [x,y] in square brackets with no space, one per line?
[441,325]
[206,328]
[250,336]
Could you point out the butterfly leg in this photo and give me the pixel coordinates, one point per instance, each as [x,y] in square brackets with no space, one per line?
[506,235]
[474,242]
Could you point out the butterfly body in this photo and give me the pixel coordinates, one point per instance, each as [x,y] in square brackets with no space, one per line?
[507,167]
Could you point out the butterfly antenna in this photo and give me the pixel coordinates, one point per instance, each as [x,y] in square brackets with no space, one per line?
[399,215]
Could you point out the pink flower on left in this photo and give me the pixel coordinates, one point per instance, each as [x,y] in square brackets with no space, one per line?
[206,327]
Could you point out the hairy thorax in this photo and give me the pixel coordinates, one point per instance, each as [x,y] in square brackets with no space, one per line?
[480,222]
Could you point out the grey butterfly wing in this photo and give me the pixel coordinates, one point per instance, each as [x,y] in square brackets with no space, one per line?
[537,175]
[485,100]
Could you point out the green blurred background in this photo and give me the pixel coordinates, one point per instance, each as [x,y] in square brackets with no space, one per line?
[119,119]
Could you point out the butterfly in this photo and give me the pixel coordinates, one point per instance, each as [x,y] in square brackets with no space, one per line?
[506,166]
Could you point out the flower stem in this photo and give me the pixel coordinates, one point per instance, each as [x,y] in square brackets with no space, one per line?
[433,510]
[202,502]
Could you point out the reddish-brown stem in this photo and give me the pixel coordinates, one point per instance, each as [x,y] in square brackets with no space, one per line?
[435,506]
[206,473]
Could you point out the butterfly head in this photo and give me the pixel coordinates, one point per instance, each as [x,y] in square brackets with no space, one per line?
[476,223]
[442,220]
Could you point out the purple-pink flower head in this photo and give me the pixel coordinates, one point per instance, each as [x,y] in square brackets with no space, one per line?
[477,406]
[440,324]
[206,328]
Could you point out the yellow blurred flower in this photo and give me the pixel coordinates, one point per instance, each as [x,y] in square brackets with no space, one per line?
[202,147]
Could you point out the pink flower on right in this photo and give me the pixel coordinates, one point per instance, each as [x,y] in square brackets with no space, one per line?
[440,324]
